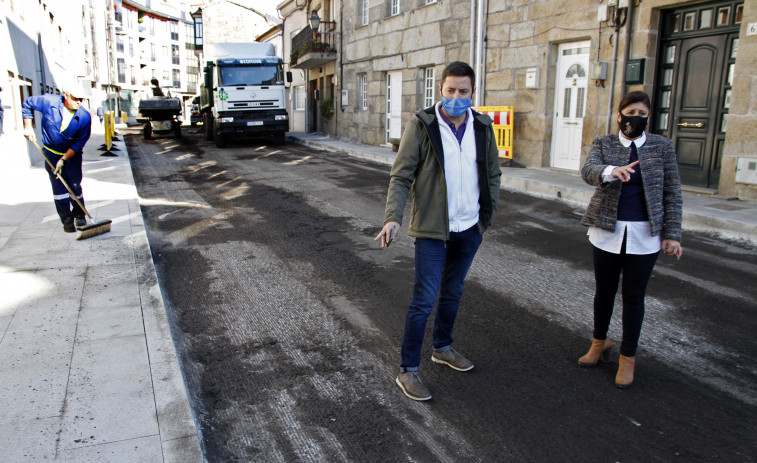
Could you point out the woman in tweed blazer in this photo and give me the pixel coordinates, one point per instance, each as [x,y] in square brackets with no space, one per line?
[635,212]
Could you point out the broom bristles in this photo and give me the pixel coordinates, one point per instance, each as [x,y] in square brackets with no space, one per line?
[88,231]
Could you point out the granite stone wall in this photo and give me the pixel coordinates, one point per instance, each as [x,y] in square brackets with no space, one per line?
[523,34]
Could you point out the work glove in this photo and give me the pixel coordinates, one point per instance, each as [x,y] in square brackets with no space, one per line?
[29,134]
[59,166]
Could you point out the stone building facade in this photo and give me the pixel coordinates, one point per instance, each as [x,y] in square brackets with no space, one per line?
[152,41]
[564,67]
[312,54]
[233,21]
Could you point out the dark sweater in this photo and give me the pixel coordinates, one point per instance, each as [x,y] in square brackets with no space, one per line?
[659,175]
[631,206]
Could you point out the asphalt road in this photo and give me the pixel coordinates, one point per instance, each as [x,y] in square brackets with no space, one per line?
[287,318]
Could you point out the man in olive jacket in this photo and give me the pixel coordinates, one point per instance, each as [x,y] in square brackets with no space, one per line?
[448,157]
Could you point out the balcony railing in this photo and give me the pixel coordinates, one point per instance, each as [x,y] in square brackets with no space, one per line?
[309,51]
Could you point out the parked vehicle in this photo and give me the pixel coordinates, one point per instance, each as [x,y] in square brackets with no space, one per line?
[195,115]
[160,115]
[243,92]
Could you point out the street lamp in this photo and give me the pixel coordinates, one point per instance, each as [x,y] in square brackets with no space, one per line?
[315,21]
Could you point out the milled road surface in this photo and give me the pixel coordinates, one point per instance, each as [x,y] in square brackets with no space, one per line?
[288,318]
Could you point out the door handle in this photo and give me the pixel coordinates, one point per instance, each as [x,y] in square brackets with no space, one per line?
[687,124]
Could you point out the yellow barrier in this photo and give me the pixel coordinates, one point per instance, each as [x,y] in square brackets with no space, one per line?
[108,134]
[112,126]
[503,127]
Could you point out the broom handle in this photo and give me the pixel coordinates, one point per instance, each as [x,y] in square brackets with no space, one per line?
[70,192]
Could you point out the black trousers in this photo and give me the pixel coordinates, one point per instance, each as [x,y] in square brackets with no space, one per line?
[636,271]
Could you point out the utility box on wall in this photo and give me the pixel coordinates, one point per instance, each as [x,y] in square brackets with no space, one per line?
[635,71]
[598,70]
[532,78]
[746,170]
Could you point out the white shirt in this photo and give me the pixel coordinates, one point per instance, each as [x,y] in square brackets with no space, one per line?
[461,175]
[639,239]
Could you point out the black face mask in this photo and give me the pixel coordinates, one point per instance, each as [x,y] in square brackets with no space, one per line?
[632,126]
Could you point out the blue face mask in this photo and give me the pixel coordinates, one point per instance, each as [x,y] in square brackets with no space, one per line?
[456,107]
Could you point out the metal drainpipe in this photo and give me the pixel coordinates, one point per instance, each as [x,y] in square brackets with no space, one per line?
[472,28]
[479,48]
[42,71]
[289,94]
[627,48]
[307,83]
[341,71]
[612,77]
[307,100]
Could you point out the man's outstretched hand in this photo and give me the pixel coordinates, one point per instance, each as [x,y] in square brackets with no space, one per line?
[387,234]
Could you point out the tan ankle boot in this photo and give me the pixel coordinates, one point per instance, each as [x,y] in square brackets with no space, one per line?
[600,349]
[624,378]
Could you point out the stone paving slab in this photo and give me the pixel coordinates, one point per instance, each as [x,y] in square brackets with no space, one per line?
[88,369]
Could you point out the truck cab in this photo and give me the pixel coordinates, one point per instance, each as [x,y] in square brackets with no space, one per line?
[244,93]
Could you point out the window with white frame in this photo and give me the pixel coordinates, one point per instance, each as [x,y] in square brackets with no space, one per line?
[364,12]
[428,87]
[299,97]
[395,10]
[363,91]
[429,2]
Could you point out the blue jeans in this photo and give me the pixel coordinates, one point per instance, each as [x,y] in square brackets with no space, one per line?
[440,268]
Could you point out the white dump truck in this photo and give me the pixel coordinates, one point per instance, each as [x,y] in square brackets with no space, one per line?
[243,93]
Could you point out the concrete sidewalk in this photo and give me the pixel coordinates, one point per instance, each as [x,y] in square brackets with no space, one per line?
[88,370]
[706,213]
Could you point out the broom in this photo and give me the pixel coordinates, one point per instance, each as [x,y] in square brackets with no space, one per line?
[87,231]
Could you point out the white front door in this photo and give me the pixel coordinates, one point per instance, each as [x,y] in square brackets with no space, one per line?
[570,104]
[393,105]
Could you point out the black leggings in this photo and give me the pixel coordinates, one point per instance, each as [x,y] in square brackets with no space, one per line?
[636,272]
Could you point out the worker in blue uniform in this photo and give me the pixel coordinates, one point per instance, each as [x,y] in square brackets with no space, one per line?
[66,126]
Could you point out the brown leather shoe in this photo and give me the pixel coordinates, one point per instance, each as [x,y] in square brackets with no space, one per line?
[599,350]
[626,365]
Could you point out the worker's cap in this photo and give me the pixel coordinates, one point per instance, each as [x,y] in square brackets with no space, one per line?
[77,89]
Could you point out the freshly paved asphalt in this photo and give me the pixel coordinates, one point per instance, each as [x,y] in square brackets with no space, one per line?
[88,369]
[731,219]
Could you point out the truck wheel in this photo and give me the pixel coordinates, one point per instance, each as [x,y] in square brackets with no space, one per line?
[148,131]
[207,124]
[220,140]
[177,129]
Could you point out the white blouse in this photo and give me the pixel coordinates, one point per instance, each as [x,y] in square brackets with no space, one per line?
[639,239]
